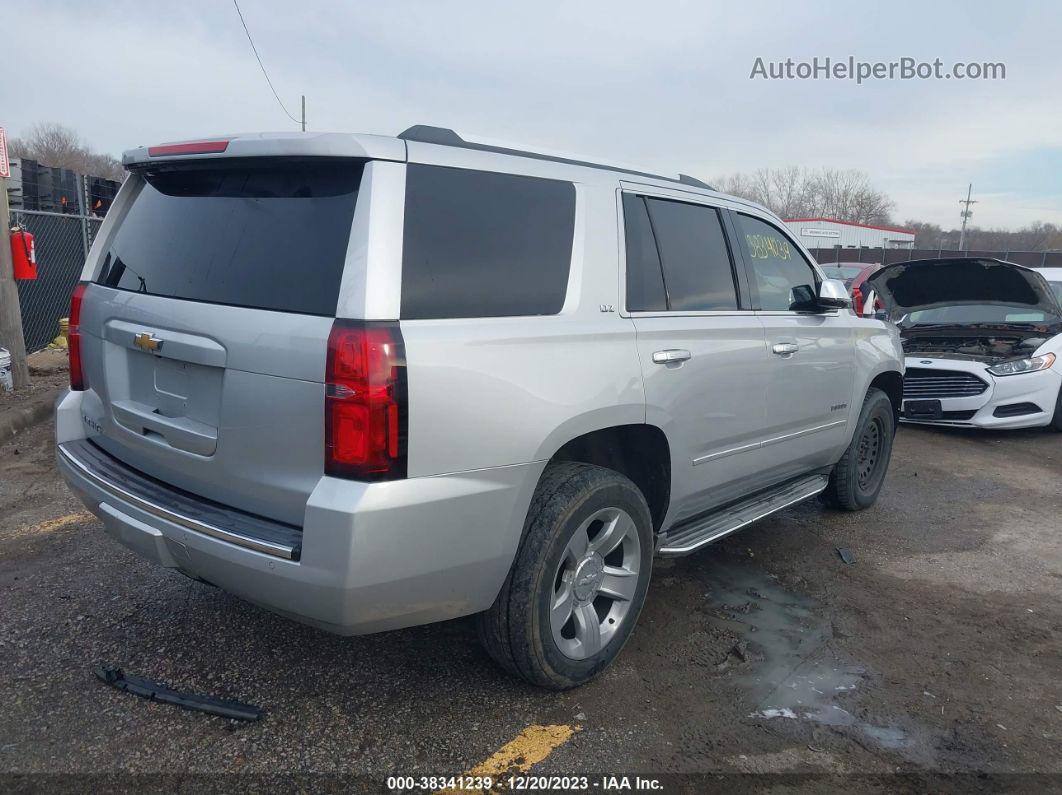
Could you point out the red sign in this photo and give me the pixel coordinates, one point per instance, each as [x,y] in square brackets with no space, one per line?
[5,167]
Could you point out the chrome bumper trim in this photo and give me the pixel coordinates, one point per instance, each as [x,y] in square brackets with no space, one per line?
[258,545]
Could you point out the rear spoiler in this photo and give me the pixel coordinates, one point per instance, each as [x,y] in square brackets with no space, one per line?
[365,147]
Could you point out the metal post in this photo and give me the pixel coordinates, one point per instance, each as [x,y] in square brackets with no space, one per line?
[965,216]
[82,204]
[11,336]
[304,113]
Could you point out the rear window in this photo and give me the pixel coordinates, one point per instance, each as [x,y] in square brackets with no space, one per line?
[268,235]
[482,244]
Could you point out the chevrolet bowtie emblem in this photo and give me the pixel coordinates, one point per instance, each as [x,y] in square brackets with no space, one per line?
[147,342]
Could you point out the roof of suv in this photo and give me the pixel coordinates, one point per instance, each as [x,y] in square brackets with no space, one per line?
[378,147]
[444,136]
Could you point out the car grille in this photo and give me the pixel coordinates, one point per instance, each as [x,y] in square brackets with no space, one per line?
[922,383]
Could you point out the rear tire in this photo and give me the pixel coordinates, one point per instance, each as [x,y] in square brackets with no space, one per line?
[578,581]
[857,478]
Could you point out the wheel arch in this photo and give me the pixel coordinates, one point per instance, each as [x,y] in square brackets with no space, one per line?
[638,451]
[891,383]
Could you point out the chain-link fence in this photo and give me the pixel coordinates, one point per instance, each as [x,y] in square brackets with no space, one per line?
[61,242]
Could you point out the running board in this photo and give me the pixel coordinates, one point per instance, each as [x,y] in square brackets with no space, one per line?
[692,536]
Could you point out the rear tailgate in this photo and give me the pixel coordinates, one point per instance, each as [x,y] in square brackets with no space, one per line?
[204,332]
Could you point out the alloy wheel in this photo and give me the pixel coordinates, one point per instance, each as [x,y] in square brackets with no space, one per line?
[595,583]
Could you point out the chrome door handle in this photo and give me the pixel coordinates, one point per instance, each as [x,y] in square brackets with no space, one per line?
[785,348]
[671,355]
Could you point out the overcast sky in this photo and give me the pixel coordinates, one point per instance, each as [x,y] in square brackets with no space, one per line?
[659,84]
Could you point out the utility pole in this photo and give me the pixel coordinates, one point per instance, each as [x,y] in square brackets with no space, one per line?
[10,312]
[304,113]
[965,214]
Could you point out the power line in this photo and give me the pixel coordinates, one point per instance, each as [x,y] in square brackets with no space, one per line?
[264,72]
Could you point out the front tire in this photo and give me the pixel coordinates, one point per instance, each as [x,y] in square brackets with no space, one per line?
[1056,420]
[579,579]
[857,478]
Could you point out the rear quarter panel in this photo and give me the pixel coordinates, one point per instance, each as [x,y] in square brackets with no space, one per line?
[488,393]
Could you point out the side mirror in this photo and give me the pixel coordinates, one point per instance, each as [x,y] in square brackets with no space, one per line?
[833,294]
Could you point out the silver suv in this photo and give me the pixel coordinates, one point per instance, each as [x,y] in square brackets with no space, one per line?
[373,382]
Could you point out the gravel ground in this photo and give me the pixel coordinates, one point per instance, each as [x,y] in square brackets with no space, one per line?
[38,385]
[937,651]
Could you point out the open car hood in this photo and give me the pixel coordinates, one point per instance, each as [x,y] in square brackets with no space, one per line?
[934,283]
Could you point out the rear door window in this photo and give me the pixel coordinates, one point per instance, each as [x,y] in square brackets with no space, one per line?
[645,279]
[484,244]
[782,277]
[268,234]
[697,267]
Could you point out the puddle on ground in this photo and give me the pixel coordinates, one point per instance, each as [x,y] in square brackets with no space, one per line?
[796,676]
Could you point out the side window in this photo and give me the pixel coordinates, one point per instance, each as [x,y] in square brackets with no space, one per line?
[698,273]
[645,281]
[782,277]
[482,244]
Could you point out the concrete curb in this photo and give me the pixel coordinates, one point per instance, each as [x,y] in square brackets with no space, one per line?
[37,409]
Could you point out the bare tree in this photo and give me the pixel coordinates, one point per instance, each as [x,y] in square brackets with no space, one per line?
[926,235]
[1037,236]
[791,192]
[59,146]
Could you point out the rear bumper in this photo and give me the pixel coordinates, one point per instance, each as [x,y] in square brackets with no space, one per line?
[373,556]
[1039,390]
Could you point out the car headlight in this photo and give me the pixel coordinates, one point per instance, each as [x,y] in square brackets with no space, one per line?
[1016,366]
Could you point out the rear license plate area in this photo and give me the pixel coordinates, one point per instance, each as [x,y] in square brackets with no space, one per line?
[922,410]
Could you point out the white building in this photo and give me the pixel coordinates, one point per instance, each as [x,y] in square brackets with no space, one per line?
[831,233]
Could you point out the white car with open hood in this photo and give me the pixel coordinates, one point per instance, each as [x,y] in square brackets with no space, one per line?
[982,340]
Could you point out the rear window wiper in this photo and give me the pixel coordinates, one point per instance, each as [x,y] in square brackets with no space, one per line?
[113,274]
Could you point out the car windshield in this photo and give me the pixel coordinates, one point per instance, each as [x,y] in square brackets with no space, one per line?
[970,314]
[846,273]
[1056,288]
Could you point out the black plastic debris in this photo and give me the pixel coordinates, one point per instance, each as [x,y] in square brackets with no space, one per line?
[847,555]
[137,685]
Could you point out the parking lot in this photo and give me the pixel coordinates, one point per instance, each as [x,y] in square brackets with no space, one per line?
[938,649]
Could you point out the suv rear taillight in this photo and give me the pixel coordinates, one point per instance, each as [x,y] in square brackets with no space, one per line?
[73,338]
[365,401]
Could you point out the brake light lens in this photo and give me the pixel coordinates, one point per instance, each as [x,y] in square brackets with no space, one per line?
[189,148]
[365,401]
[73,338]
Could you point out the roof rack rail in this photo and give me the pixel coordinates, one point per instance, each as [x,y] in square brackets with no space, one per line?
[444,136]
